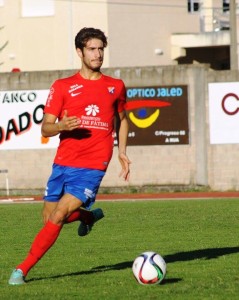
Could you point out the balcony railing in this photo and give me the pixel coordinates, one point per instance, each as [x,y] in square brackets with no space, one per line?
[214,19]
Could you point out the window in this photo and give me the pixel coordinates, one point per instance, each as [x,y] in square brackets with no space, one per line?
[225,5]
[37,8]
[193,6]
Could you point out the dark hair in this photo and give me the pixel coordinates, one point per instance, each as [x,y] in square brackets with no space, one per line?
[86,34]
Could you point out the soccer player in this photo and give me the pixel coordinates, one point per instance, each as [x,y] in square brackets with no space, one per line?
[82,109]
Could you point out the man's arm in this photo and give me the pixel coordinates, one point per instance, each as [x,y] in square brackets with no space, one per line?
[122,129]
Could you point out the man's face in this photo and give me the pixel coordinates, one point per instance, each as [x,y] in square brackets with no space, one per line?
[92,55]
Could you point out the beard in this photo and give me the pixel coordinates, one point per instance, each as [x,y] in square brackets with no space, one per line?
[93,65]
[96,69]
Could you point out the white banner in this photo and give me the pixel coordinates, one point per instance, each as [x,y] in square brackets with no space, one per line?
[224,112]
[21,114]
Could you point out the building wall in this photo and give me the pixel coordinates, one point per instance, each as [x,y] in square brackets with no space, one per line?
[197,163]
[47,42]
[136,31]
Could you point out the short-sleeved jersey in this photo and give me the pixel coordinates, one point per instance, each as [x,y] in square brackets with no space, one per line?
[95,103]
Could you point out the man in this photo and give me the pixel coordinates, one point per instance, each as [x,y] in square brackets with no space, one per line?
[82,109]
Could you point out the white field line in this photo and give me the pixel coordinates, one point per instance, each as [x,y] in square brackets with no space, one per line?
[32,200]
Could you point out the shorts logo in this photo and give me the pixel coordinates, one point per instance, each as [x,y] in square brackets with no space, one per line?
[88,193]
[46,191]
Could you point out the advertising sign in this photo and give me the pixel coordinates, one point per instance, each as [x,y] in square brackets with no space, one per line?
[21,114]
[224,112]
[158,115]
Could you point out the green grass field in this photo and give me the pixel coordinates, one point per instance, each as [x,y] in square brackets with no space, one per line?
[197,238]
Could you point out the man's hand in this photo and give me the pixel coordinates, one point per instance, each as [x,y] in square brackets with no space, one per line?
[68,123]
[125,162]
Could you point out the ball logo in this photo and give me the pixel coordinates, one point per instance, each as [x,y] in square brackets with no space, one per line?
[144,121]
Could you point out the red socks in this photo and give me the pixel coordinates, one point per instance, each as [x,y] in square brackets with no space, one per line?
[47,237]
[81,215]
[43,241]
[75,216]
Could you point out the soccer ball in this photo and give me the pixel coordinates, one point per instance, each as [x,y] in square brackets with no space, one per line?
[149,268]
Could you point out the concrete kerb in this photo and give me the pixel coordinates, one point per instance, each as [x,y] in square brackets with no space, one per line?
[135,197]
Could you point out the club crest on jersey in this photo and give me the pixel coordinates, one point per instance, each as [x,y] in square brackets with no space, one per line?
[111,89]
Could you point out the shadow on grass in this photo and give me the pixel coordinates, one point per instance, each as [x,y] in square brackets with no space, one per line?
[210,253]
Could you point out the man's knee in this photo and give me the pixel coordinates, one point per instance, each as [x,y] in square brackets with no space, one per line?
[58,216]
[67,204]
[47,210]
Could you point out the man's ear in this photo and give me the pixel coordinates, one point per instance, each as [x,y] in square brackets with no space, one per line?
[79,52]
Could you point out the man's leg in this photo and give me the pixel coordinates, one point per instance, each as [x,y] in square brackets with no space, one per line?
[46,237]
[48,208]
[86,216]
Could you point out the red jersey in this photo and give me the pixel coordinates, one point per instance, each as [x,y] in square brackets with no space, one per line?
[94,102]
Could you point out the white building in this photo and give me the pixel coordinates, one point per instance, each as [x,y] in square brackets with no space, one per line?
[39,34]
